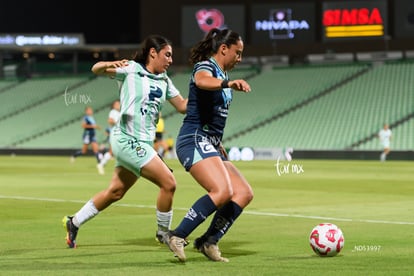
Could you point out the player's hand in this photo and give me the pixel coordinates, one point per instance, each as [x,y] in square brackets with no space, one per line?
[117,63]
[223,151]
[240,85]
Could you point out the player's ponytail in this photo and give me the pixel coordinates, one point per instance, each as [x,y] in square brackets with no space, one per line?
[205,48]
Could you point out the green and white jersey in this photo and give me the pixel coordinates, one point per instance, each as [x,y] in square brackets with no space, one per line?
[142,95]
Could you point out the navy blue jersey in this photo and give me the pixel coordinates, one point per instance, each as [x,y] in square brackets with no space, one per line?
[207,110]
[89,120]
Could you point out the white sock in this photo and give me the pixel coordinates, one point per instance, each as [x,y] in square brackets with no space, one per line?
[87,212]
[107,156]
[164,220]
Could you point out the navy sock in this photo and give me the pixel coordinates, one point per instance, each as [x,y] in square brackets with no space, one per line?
[97,157]
[78,153]
[222,221]
[197,214]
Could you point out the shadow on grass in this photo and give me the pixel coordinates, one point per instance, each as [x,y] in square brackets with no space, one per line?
[229,249]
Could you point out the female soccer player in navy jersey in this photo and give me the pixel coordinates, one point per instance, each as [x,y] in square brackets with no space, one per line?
[89,135]
[199,147]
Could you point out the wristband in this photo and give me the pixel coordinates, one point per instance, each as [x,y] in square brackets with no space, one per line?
[225,84]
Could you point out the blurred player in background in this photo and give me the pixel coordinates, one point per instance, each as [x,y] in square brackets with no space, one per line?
[199,147]
[170,147]
[145,86]
[160,144]
[384,136]
[89,135]
[113,119]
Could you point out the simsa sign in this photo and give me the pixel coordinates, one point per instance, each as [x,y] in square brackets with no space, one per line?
[362,19]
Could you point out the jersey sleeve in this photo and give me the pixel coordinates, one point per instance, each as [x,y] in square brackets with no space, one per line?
[204,66]
[122,72]
[114,115]
[172,91]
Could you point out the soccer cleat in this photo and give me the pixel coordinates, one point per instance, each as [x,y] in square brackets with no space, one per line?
[101,169]
[198,243]
[176,245]
[162,237]
[71,230]
[210,250]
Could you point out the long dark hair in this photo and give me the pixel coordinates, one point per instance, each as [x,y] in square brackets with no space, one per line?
[210,45]
[157,42]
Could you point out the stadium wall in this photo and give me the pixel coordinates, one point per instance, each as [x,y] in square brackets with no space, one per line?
[265,154]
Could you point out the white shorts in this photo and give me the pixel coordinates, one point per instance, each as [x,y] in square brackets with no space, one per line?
[386,144]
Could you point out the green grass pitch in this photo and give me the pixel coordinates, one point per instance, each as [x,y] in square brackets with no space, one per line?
[372,202]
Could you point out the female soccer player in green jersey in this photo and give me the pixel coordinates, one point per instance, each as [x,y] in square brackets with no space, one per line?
[144,87]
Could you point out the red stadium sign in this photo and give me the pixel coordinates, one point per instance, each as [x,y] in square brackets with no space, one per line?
[355,22]
[346,20]
[362,16]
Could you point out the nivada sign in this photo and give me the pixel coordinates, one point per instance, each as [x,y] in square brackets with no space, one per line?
[354,19]
[280,24]
[277,22]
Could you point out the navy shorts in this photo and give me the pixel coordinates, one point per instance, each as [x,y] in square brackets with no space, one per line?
[192,148]
[88,138]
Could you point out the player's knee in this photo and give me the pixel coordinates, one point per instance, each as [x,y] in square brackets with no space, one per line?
[169,184]
[249,195]
[223,195]
[243,196]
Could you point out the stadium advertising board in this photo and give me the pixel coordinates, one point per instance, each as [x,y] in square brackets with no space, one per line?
[288,21]
[56,40]
[196,21]
[404,18]
[354,20]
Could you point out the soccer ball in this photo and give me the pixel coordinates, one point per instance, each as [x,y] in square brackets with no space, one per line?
[326,239]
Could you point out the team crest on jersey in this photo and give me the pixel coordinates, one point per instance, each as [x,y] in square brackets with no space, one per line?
[140,151]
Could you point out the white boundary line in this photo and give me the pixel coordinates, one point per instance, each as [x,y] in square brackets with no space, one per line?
[256,213]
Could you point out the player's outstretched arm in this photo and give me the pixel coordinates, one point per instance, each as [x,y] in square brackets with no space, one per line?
[204,80]
[108,67]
